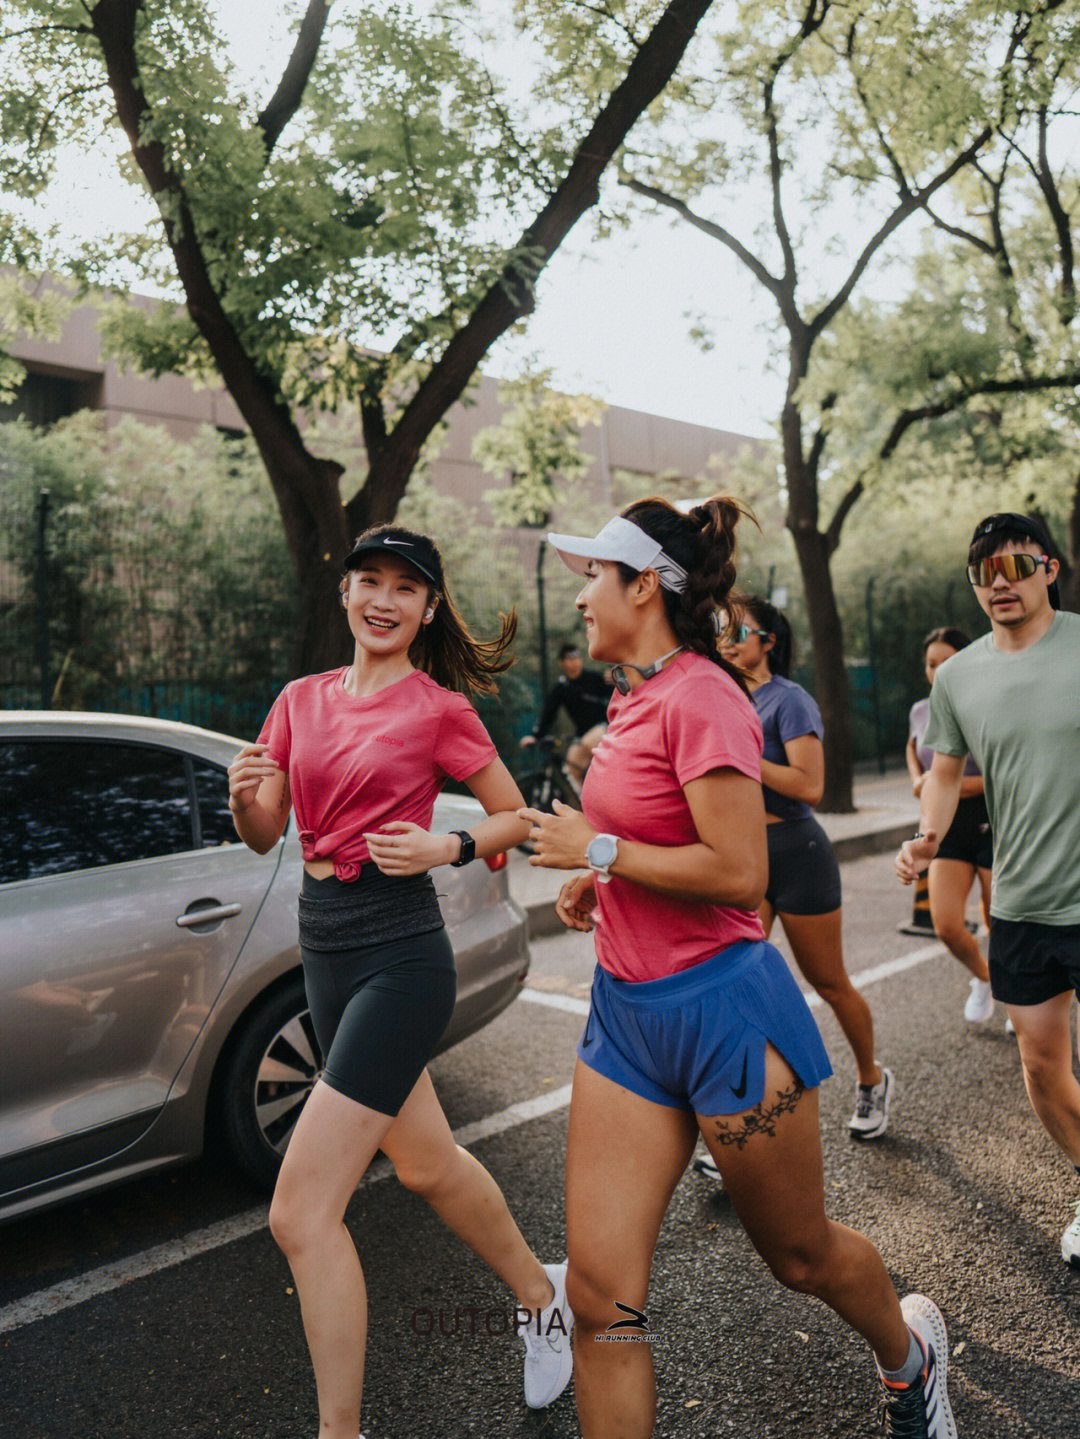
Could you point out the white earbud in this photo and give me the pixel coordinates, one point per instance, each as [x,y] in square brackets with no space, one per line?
[430,614]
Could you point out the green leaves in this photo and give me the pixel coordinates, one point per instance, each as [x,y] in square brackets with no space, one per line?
[536,448]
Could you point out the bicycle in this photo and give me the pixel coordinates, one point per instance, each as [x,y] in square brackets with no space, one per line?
[549,781]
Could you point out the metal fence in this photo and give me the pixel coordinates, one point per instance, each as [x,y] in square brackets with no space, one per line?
[103,609]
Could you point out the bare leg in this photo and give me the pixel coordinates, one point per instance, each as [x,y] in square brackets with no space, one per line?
[950,882]
[766,914]
[624,1157]
[333,1143]
[421,1147]
[986,877]
[770,1159]
[817,945]
[1042,1032]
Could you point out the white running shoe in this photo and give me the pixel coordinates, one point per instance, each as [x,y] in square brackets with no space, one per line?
[549,1353]
[871,1117]
[980,1002]
[1070,1241]
[921,1410]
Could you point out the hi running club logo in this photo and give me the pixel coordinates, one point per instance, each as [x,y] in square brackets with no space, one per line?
[632,1330]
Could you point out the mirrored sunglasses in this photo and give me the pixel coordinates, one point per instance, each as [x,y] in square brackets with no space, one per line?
[1011,567]
[743,633]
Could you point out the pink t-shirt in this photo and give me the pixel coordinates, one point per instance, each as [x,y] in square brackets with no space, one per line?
[687,720]
[355,763]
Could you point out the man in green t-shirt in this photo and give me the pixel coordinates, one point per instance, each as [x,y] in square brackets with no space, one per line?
[1012,700]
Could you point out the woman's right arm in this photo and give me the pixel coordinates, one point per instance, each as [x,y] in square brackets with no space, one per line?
[258,798]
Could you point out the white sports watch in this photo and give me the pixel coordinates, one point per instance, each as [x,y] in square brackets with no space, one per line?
[601,854]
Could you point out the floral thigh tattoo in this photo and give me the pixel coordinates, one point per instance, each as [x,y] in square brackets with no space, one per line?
[741,1128]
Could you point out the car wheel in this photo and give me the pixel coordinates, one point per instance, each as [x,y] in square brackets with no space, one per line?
[270,1071]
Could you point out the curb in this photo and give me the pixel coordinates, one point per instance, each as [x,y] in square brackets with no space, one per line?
[543,920]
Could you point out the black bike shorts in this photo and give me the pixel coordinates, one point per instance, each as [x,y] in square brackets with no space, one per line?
[804,877]
[379,1011]
[968,838]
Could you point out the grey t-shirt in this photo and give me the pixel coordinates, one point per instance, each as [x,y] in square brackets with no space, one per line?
[1018,716]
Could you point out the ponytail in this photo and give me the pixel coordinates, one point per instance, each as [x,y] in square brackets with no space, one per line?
[702,541]
[447,650]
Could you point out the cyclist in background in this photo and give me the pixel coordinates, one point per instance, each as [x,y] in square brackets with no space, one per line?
[584,695]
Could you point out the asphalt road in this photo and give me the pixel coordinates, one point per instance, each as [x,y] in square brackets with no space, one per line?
[163,1308]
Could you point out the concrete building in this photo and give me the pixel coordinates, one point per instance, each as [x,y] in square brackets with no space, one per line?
[70,373]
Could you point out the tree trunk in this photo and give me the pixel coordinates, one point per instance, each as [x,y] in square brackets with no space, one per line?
[830,673]
[318,535]
[1069,589]
[826,634]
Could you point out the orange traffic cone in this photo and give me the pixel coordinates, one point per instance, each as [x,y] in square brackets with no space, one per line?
[920,922]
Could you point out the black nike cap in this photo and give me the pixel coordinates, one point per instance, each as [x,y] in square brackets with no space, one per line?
[417,550]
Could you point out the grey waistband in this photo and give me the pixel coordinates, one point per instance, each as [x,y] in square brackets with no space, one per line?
[373,909]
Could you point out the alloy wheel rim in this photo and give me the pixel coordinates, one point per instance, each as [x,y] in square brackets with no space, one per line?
[286,1075]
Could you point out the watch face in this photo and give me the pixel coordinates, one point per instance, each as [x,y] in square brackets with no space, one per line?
[602,851]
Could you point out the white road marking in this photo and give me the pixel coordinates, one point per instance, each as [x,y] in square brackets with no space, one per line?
[859,980]
[556,1001]
[70,1292]
[59,1297]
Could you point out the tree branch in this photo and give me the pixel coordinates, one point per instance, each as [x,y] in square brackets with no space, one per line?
[285,101]
[1062,225]
[41,30]
[840,514]
[959,233]
[512,295]
[707,227]
[821,438]
[1023,385]
[813,18]
[915,200]
[256,397]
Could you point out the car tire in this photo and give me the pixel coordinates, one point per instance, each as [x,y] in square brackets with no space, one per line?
[272,1064]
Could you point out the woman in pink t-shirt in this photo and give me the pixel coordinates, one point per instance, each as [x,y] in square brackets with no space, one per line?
[696,1024]
[360,754]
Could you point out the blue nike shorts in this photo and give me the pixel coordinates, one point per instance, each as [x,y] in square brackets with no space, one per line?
[696,1039]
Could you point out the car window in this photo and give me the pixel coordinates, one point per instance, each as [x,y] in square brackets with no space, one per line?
[79,804]
[215,817]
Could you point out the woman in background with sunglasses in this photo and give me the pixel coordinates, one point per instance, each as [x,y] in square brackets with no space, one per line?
[804,878]
[967,851]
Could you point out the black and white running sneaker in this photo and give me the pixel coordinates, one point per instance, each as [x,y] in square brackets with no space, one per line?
[1070,1242]
[871,1117]
[921,1410]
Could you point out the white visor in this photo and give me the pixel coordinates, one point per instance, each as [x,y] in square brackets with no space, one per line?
[622,541]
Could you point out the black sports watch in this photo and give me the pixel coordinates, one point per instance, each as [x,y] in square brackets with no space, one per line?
[468,848]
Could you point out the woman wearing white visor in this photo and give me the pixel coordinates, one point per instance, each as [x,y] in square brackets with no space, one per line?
[696,1024]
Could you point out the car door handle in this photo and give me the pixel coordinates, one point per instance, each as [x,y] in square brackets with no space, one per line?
[207,916]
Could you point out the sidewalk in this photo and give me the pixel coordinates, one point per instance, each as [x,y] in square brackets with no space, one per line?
[886,812]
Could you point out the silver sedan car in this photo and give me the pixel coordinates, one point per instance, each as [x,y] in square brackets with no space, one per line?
[150,988]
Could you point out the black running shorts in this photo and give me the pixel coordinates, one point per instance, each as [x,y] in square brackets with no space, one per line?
[804,877]
[1031,963]
[968,838]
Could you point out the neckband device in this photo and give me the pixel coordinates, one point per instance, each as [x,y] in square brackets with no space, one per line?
[618,672]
